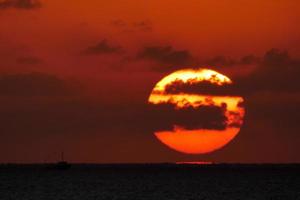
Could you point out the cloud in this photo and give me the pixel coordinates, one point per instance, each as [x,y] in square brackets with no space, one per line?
[102,47]
[118,23]
[39,104]
[249,60]
[165,116]
[275,57]
[29,60]
[271,91]
[166,55]
[34,84]
[220,61]
[276,72]
[143,25]
[20,4]
[44,104]
[203,87]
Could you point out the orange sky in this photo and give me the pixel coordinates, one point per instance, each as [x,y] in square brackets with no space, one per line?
[204,27]
[54,38]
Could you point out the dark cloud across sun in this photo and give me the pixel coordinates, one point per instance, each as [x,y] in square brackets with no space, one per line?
[204,117]
[269,75]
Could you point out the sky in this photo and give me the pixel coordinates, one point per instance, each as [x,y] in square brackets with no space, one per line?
[75,76]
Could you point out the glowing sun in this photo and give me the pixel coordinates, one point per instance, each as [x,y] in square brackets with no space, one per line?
[213,118]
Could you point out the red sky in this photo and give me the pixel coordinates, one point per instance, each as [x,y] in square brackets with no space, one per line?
[76,75]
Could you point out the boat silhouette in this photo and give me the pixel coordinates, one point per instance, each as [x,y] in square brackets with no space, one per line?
[60,165]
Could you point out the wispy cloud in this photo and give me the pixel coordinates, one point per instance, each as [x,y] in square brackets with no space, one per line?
[102,47]
[20,4]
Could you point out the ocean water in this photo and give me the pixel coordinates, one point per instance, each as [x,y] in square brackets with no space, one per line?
[150,181]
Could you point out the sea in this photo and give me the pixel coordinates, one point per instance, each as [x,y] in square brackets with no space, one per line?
[150,181]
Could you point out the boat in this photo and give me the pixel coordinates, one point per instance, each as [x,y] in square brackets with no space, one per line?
[60,165]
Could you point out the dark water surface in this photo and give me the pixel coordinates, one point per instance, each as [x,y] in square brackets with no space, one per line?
[153,181]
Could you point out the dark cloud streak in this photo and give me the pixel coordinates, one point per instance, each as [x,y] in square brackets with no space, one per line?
[143,25]
[29,60]
[165,116]
[20,4]
[33,84]
[277,72]
[166,55]
[203,87]
[102,47]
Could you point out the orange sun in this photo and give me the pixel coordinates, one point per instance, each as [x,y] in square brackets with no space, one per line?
[190,88]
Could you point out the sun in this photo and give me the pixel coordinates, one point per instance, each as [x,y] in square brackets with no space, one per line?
[216,115]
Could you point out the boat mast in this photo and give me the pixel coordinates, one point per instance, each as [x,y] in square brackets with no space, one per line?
[62,156]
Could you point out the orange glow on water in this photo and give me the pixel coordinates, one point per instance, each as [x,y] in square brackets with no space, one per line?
[198,141]
[195,163]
